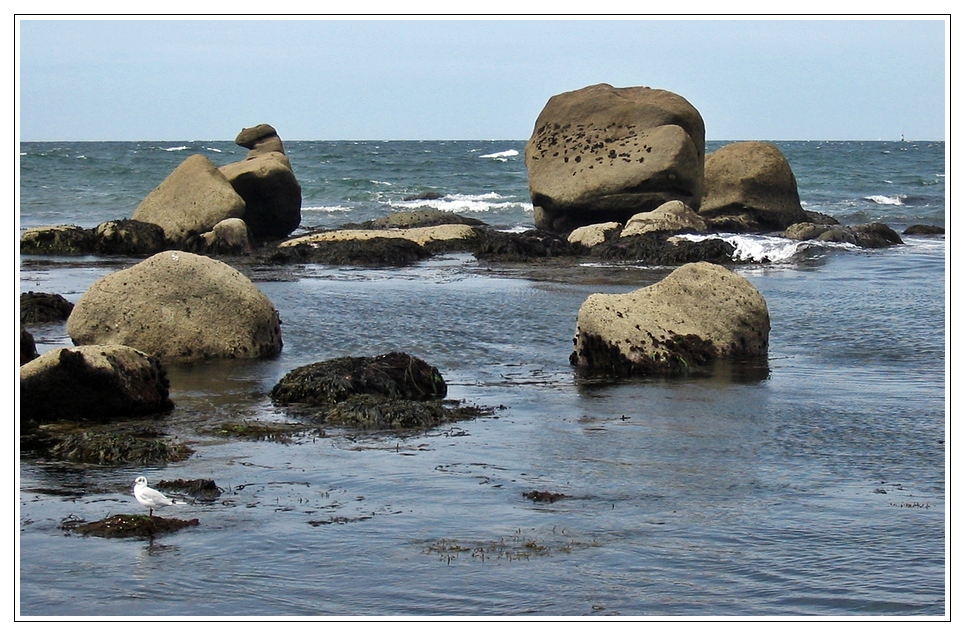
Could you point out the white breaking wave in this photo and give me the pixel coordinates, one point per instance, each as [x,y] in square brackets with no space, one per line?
[500,156]
[212,149]
[759,249]
[327,208]
[883,200]
[175,148]
[466,203]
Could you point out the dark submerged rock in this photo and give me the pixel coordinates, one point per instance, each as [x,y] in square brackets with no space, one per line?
[525,246]
[67,240]
[129,237]
[923,229]
[28,348]
[42,307]
[393,392]
[543,496]
[428,195]
[394,375]
[374,252]
[654,248]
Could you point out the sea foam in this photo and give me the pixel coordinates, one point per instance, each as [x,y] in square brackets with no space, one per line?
[883,200]
[764,249]
[500,156]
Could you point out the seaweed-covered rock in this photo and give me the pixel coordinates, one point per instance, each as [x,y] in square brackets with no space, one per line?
[117,447]
[377,413]
[699,313]
[128,237]
[660,248]
[394,375]
[92,382]
[67,240]
[525,246]
[42,307]
[120,526]
[373,252]
[179,306]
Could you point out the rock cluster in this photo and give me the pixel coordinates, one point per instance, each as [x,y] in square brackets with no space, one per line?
[199,207]
[603,154]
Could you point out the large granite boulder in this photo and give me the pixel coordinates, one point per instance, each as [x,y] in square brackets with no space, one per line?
[749,187]
[193,199]
[602,154]
[699,313]
[179,307]
[267,183]
[44,307]
[92,382]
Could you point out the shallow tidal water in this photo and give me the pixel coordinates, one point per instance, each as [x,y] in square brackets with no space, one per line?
[812,486]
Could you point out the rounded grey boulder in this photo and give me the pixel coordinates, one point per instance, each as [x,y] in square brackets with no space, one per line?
[194,198]
[699,313]
[749,187]
[178,306]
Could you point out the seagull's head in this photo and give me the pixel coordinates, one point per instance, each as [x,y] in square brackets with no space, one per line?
[140,481]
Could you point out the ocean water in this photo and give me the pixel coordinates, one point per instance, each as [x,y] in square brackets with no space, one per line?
[812,487]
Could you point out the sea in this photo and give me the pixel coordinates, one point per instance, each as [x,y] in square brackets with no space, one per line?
[814,488]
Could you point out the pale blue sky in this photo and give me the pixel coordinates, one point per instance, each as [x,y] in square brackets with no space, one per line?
[474,79]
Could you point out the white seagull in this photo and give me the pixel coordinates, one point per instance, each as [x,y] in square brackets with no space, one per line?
[150,498]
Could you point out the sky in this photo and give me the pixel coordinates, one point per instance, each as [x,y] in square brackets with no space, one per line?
[194,79]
